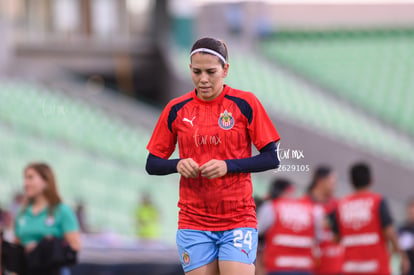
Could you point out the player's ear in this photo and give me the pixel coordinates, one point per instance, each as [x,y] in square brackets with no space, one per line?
[189,65]
[226,70]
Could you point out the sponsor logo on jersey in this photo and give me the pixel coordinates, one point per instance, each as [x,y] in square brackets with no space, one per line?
[245,252]
[50,221]
[356,213]
[295,216]
[190,121]
[226,120]
[186,258]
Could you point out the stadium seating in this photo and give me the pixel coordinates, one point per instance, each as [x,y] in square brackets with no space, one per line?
[97,159]
[371,69]
[51,115]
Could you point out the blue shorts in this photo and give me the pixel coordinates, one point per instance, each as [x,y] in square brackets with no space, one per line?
[198,248]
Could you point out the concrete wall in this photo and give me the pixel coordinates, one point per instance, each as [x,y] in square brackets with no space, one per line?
[341,15]
[214,18]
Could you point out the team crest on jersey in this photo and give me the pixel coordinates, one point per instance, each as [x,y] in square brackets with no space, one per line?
[186,258]
[226,120]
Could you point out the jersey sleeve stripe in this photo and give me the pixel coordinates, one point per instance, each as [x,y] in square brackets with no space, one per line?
[244,107]
[174,110]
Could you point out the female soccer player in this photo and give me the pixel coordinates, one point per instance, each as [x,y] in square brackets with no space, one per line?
[44,214]
[214,126]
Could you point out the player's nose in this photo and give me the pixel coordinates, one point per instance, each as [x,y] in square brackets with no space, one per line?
[204,78]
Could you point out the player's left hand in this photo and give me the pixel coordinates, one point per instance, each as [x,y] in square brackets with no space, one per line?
[213,169]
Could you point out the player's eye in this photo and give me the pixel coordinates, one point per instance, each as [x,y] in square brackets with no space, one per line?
[197,72]
[211,72]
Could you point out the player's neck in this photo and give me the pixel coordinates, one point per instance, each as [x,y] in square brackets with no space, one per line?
[39,203]
[362,190]
[319,196]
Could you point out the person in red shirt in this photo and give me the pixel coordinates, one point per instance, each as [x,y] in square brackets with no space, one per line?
[214,126]
[320,192]
[406,234]
[364,226]
[291,229]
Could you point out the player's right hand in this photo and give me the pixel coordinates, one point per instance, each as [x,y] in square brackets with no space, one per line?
[188,168]
[30,247]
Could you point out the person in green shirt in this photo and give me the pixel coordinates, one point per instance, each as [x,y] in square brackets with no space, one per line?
[43,213]
[147,217]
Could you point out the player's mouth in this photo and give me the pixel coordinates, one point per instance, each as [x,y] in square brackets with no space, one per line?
[204,89]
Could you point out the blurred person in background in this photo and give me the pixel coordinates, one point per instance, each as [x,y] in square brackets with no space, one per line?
[291,228]
[364,225]
[275,190]
[13,210]
[258,201]
[148,218]
[406,235]
[16,204]
[214,126]
[81,216]
[329,255]
[6,226]
[2,217]
[43,217]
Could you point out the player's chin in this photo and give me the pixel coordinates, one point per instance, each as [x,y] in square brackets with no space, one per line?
[206,93]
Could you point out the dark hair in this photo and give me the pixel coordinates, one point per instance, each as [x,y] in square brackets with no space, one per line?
[51,193]
[212,44]
[321,172]
[279,186]
[360,175]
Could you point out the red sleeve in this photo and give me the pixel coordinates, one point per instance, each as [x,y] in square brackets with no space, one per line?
[261,129]
[163,140]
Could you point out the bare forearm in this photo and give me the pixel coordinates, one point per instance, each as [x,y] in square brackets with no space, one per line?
[391,235]
[73,239]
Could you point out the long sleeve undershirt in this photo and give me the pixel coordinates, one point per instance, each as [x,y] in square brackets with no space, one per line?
[267,159]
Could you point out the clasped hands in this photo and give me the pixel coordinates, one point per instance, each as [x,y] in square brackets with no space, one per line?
[212,169]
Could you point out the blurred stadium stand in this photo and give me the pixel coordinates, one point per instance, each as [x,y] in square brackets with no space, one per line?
[371,69]
[39,123]
[98,158]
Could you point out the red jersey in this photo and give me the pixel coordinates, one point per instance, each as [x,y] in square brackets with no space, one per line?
[290,241]
[362,235]
[223,128]
[330,258]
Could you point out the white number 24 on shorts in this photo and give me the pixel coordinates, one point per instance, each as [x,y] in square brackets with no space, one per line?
[239,239]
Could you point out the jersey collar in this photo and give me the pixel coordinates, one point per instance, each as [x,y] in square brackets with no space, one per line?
[226,88]
[29,211]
